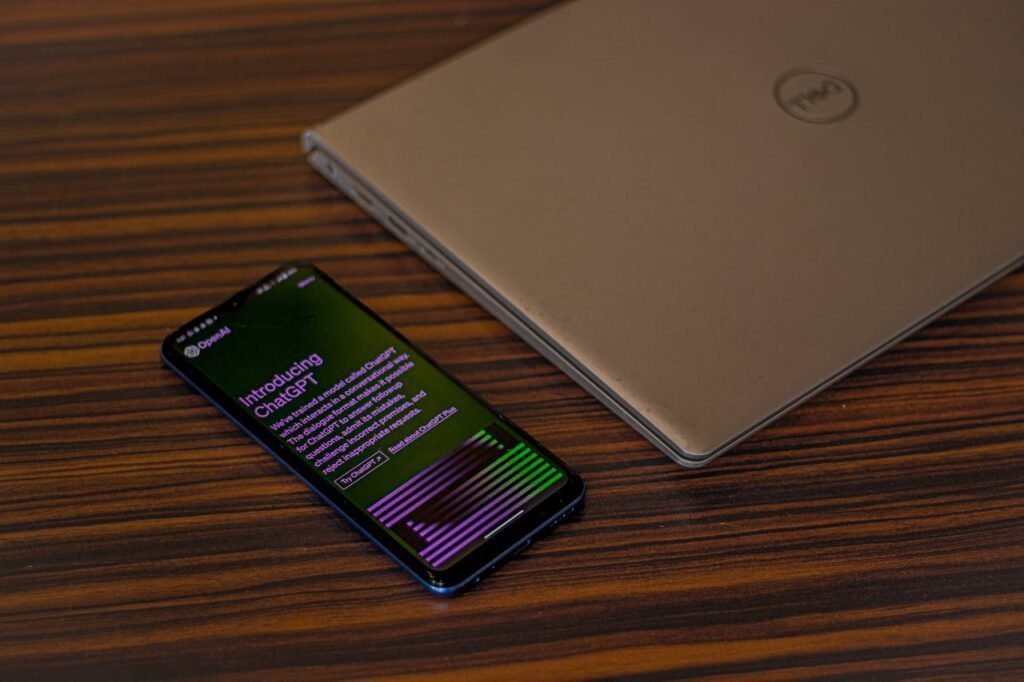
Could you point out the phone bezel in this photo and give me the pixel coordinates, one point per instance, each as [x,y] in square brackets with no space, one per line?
[445,582]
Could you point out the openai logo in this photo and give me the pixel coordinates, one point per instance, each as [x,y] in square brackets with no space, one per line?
[815,95]
[191,351]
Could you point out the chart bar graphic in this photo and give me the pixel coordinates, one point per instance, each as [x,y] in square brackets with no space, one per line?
[447,509]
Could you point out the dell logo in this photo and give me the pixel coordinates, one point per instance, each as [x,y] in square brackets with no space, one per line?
[815,95]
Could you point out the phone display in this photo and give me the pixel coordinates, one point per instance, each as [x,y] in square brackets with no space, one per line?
[433,474]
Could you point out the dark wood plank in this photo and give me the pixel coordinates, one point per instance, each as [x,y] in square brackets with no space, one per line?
[149,166]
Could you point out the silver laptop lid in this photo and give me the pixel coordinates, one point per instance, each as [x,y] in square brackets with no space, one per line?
[705,211]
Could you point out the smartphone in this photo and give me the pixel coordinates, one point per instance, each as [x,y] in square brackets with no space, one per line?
[436,477]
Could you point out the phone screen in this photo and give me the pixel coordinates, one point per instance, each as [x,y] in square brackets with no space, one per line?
[356,408]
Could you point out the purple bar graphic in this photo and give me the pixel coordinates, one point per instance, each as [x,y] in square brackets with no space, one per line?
[490,488]
[418,477]
[415,482]
[507,510]
[383,502]
[443,542]
[422,495]
[470,491]
[446,500]
[495,519]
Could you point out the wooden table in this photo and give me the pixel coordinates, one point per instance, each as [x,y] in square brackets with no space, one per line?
[149,166]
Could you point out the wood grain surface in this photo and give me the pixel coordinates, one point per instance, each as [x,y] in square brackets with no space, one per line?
[149,166]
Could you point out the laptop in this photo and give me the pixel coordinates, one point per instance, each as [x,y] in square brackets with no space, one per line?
[705,211]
